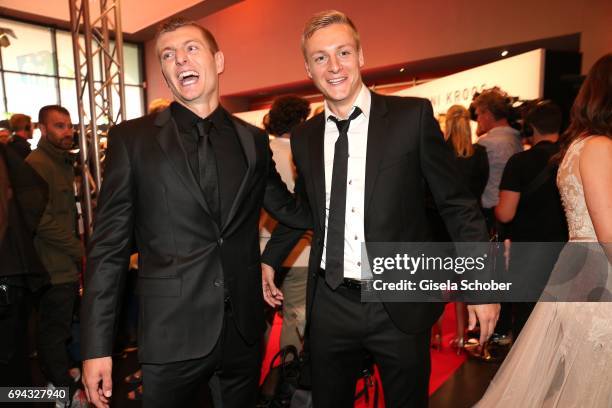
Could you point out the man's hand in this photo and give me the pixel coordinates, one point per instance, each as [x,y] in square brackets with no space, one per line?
[98,370]
[487,315]
[272,295]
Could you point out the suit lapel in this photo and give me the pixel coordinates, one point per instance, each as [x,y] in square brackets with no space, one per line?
[377,130]
[170,143]
[317,164]
[248,146]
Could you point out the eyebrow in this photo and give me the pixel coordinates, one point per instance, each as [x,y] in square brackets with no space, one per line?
[182,45]
[337,48]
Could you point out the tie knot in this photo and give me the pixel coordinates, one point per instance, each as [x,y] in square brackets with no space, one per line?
[204,126]
[343,125]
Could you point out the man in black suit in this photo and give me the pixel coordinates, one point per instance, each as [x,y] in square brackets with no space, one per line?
[367,184]
[185,187]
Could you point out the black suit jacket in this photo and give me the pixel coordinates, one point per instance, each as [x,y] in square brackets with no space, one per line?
[405,151]
[186,261]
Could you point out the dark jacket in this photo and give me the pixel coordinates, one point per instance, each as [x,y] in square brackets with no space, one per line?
[56,238]
[23,198]
[405,148]
[188,264]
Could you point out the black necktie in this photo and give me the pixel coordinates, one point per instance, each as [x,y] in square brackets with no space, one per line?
[334,253]
[207,164]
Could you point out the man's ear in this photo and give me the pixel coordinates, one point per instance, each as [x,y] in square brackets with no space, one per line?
[220,62]
[307,70]
[361,60]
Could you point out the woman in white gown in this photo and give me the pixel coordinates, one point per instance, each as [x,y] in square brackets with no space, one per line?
[563,357]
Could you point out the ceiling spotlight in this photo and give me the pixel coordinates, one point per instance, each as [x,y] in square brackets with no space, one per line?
[402,69]
[504,53]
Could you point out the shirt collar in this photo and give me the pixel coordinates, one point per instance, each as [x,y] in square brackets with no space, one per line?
[186,119]
[57,154]
[363,101]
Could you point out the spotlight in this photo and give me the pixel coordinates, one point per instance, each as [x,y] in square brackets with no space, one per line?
[504,53]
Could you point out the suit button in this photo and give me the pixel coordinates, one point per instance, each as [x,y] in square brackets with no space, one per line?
[218,283]
[220,241]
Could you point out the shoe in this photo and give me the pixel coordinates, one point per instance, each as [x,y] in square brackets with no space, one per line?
[501,339]
[457,343]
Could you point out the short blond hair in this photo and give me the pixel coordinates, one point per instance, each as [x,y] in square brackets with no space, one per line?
[325,19]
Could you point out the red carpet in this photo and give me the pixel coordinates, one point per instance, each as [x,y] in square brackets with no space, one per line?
[443,363]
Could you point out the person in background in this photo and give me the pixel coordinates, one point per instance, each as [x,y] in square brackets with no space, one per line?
[563,356]
[58,247]
[493,112]
[286,113]
[158,105]
[5,131]
[23,198]
[22,132]
[529,198]
[473,172]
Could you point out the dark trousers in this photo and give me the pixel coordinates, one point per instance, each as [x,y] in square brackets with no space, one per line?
[231,370]
[55,311]
[343,330]
[14,315]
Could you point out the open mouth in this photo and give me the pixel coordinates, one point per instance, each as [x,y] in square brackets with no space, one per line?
[336,81]
[188,77]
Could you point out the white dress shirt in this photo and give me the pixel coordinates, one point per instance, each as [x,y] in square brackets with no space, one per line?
[354,234]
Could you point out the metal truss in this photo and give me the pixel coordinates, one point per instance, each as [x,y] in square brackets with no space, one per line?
[100,89]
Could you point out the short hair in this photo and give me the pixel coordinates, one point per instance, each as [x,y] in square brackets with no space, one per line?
[286,113]
[545,117]
[19,121]
[44,112]
[324,19]
[495,101]
[158,105]
[174,23]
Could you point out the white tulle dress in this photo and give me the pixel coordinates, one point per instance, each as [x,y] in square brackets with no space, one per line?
[563,357]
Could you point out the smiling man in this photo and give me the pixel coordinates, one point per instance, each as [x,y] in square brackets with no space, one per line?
[362,165]
[185,188]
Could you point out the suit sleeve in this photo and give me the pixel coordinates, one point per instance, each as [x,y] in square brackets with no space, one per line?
[459,210]
[109,252]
